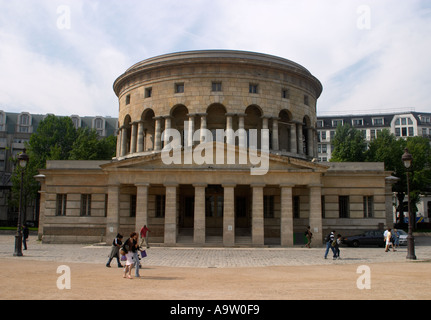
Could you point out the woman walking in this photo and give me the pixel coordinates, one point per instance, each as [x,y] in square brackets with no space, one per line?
[115,251]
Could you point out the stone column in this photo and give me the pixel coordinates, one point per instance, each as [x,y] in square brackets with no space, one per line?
[171,213]
[229,214]
[299,138]
[275,143]
[123,141]
[203,126]
[257,231]
[293,140]
[230,138]
[141,206]
[315,220]
[168,121]
[264,135]
[113,215]
[119,140]
[191,130]
[242,134]
[133,138]
[199,218]
[141,140]
[158,134]
[286,221]
[310,142]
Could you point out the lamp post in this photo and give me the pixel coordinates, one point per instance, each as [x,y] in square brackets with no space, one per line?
[22,160]
[407,160]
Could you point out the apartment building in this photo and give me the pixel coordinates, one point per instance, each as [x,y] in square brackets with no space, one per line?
[15,131]
[403,125]
[408,124]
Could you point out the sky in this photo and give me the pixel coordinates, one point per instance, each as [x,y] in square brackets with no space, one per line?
[63,56]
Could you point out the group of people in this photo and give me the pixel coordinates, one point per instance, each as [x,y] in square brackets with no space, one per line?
[129,251]
[332,242]
[392,239]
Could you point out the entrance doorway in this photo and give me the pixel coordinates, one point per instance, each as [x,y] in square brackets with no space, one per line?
[214,202]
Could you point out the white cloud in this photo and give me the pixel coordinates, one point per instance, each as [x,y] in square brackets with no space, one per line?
[46,69]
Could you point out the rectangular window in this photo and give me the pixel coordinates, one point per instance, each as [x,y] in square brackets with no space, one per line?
[323,206]
[411,131]
[133,205]
[268,206]
[306,100]
[86,205]
[358,122]
[106,205]
[285,93]
[179,88]
[343,206]
[60,208]
[378,121]
[253,88]
[336,123]
[160,206]
[216,87]
[368,206]
[128,99]
[148,92]
[296,206]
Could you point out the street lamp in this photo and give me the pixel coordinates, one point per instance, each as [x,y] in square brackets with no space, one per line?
[22,160]
[407,160]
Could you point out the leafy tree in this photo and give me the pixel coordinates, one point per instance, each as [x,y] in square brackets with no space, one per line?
[89,146]
[388,149]
[57,139]
[349,145]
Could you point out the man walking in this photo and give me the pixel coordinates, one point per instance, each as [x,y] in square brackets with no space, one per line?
[328,239]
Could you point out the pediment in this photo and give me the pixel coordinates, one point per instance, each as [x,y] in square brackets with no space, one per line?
[211,156]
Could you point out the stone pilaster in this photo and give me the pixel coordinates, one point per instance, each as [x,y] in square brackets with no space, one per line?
[257,231]
[229,215]
[286,222]
[171,214]
[315,220]
[199,218]
[113,215]
[141,206]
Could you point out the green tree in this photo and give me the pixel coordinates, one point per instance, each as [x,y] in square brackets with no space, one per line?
[389,149]
[349,145]
[89,146]
[53,140]
[57,139]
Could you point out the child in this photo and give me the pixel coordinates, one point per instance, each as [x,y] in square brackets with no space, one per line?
[336,245]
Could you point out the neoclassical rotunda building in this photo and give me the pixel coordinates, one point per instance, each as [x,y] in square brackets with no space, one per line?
[214,147]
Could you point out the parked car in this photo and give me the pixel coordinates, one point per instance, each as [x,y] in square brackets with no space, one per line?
[403,237]
[368,238]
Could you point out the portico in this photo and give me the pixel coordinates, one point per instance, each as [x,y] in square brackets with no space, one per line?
[213,205]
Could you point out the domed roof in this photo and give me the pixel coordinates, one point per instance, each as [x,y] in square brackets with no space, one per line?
[214,56]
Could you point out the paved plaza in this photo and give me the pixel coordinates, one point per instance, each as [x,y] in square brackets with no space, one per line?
[214,273]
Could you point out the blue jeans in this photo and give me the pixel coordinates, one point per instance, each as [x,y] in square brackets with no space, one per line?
[137,263]
[328,245]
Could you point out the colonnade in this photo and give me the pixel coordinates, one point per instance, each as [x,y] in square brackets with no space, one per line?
[199,227]
[299,139]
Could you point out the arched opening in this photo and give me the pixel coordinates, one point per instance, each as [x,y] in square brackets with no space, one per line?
[284,130]
[179,114]
[306,124]
[126,135]
[148,125]
[216,118]
[253,120]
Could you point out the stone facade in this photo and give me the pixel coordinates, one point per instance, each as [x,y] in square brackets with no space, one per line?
[220,202]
